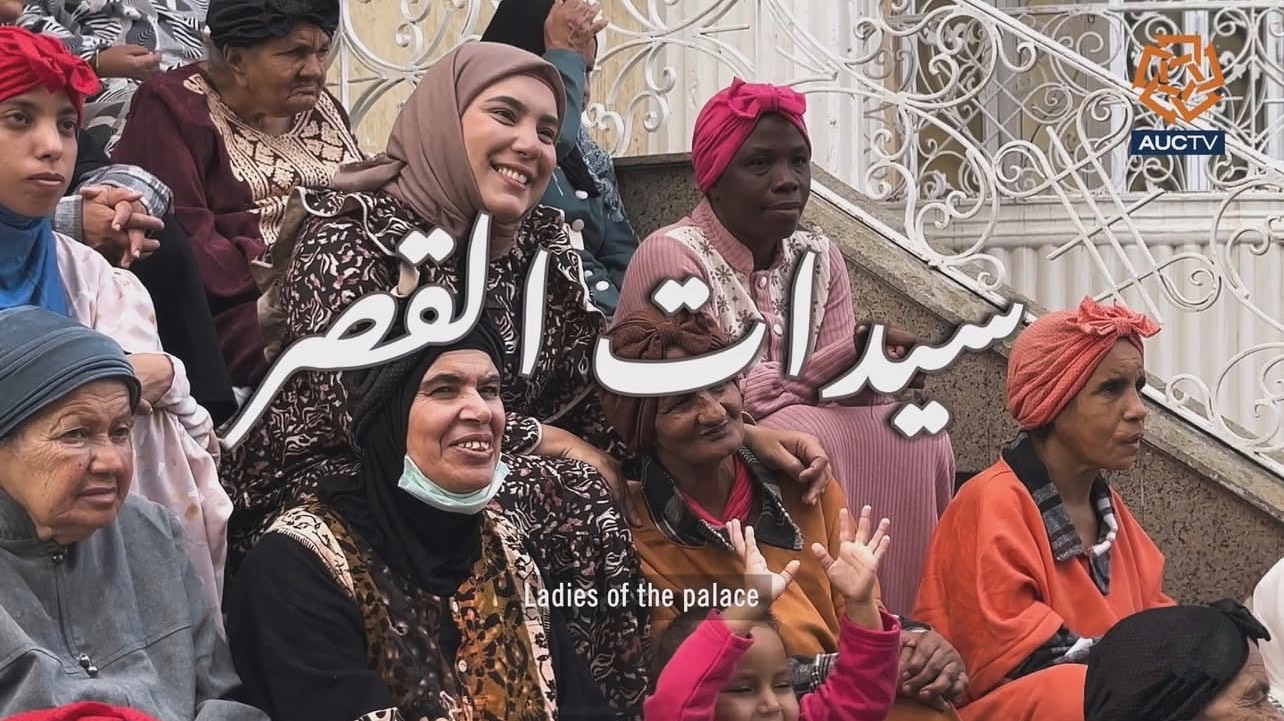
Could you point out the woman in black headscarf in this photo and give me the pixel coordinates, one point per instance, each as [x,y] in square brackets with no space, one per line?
[584,186]
[403,590]
[1178,663]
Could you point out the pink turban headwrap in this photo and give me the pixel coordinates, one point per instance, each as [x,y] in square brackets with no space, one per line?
[730,116]
[1052,360]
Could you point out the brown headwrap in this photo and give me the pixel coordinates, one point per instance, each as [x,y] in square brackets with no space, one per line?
[646,335]
[426,165]
[1052,360]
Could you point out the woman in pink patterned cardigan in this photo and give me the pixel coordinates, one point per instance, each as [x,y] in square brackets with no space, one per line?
[752,161]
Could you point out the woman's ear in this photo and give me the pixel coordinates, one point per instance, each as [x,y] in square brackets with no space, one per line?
[235,58]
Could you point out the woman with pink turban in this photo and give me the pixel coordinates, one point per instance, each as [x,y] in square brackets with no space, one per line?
[752,161]
[1037,556]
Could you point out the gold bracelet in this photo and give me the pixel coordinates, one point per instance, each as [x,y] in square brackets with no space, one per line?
[93,62]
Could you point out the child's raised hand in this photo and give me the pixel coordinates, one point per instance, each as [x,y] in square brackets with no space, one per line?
[855,572]
[758,576]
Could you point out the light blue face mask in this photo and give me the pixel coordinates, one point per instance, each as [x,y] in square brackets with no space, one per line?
[426,491]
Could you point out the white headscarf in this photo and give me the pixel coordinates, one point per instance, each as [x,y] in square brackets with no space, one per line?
[1267,604]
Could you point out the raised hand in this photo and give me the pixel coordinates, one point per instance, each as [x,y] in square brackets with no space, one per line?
[855,572]
[757,575]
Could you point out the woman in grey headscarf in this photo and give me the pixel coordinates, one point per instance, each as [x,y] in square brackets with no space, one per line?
[98,601]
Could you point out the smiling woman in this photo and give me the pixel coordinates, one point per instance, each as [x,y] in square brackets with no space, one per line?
[232,137]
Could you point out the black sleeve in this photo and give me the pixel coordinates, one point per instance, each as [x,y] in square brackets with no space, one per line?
[90,157]
[1054,651]
[297,638]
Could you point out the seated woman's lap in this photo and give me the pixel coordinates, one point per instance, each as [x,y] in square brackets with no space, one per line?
[1053,694]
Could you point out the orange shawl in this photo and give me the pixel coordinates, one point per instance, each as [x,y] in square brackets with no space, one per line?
[992,588]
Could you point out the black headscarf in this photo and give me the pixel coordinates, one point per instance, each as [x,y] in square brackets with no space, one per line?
[520,23]
[44,356]
[1167,664]
[434,548]
[245,23]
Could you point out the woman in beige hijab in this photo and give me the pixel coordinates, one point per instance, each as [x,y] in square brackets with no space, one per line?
[477,134]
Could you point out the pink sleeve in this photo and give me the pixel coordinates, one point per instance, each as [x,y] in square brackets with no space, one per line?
[657,259]
[862,685]
[690,682]
[767,390]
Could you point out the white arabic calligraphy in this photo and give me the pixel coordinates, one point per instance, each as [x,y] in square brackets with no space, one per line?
[356,338]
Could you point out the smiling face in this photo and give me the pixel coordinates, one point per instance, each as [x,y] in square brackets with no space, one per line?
[71,464]
[762,687]
[761,195]
[510,135]
[284,76]
[698,429]
[457,421]
[38,137]
[1102,426]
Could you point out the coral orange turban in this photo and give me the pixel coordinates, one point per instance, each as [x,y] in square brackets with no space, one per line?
[730,116]
[29,61]
[1052,360]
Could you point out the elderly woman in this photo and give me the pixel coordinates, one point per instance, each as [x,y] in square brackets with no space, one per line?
[42,88]
[98,601]
[1037,555]
[231,137]
[697,478]
[752,160]
[584,185]
[1180,663]
[494,112]
[403,589]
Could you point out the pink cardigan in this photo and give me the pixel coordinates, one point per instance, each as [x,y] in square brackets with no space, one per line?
[861,687]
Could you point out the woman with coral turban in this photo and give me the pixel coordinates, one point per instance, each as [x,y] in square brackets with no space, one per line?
[1037,556]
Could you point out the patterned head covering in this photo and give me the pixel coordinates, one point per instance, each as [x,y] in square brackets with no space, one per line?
[1052,360]
[648,334]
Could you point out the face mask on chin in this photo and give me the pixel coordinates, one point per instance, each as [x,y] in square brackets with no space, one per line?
[430,493]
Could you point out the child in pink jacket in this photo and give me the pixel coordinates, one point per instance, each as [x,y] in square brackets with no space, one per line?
[733,667]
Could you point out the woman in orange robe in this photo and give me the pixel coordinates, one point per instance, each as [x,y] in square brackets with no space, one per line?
[1037,556]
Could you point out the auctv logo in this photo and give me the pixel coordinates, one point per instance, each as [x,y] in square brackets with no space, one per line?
[1178,86]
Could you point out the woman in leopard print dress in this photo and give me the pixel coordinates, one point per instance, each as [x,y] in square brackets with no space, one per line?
[401,593]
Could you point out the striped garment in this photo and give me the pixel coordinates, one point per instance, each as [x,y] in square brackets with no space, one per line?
[172,28]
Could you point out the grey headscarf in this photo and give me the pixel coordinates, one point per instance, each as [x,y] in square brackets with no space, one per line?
[45,356]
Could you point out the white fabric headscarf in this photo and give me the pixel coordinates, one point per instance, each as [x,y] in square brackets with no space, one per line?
[1267,604]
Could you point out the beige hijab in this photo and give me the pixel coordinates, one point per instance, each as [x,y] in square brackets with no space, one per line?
[426,165]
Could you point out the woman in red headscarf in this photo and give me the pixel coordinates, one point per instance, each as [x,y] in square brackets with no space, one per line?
[1037,556]
[42,94]
[752,159]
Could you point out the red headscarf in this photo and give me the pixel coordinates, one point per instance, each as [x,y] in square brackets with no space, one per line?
[28,61]
[83,711]
[730,116]
[1053,358]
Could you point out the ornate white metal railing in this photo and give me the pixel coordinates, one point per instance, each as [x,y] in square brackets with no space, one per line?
[991,141]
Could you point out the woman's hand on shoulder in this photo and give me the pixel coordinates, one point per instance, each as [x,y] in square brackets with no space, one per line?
[798,455]
[563,444]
